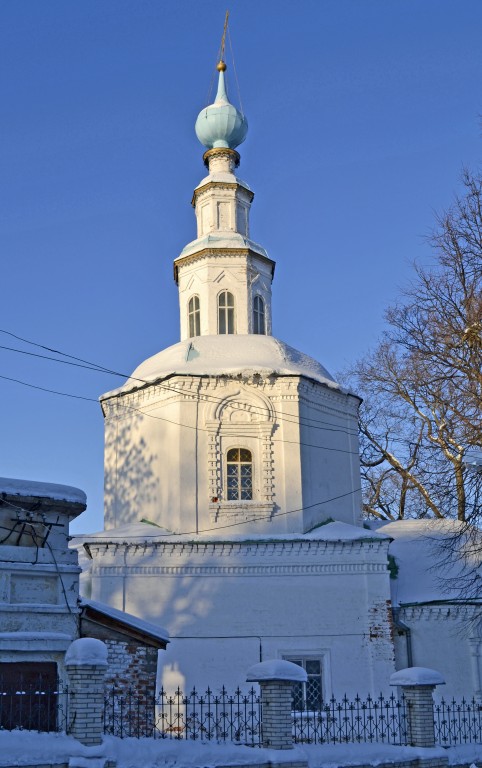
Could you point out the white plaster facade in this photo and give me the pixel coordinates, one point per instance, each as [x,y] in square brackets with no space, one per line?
[230,603]
[250,568]
[166,447]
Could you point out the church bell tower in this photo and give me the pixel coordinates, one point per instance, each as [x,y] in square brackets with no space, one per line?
[224,278]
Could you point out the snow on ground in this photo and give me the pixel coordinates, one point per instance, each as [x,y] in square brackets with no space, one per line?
[19,748]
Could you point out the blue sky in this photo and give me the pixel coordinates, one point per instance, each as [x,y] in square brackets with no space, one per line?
[361,115]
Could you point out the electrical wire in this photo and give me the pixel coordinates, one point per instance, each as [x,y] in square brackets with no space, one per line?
[228,525]
[164,418]
[82,363]
[33,534]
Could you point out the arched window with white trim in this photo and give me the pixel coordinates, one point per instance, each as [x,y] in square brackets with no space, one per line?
[226,312]
[194,316]
[239,474]
[259,323]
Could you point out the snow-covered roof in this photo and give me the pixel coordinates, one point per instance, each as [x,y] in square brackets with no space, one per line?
[418,549]
[223,240]
[136,533]
[227,355]
[222,177]
[128,619]
[14,487]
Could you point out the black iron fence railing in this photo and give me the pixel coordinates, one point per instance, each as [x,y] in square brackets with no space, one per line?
[208,717]
[36,708]
[237,717]
[458,722]
[369,720]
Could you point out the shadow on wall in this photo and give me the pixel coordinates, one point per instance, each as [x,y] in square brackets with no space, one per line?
[130,480]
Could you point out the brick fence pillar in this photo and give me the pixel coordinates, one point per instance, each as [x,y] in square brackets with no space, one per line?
[276,678]
[86,665]
[418,685]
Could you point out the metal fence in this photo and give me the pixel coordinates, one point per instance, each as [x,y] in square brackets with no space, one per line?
[237,717]
[34,708]
[367,720]
[208,717]
[458,722]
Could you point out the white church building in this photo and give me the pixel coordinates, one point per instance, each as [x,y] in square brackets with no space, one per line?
[232,485]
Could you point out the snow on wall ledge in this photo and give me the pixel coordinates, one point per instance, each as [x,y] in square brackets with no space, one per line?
[54,491]
[227,355]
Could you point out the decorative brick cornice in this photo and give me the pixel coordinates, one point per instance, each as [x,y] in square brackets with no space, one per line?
[262,548]
[438,612]
[313,569]
[217,253]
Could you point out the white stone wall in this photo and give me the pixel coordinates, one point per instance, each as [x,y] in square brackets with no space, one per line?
[445,638]
[175,476]
[228,605]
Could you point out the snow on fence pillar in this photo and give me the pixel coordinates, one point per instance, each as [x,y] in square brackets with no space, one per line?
[276,678]
[86,664]
[418,685]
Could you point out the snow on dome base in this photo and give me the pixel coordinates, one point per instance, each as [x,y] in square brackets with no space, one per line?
[87,651]
[415,676]
[227,355]
[276,669]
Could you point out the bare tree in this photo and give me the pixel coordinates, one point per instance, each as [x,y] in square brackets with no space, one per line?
[422,415]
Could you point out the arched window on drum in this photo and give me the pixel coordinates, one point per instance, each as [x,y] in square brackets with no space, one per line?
[226,312]
[194,316]
[259,322]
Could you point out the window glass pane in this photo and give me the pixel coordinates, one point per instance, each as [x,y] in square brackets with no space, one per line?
[194,316]
[239,471]
[230,320]
[313,666]
[222,321]
[313,693]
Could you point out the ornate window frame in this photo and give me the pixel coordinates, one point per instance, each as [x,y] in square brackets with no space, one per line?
[242,419]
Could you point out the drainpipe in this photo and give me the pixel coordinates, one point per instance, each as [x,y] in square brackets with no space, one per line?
[406,631]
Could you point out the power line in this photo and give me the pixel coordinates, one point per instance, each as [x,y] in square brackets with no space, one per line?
[163,418]
[82,363]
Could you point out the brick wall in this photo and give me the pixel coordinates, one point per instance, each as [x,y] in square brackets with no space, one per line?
[131,666]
